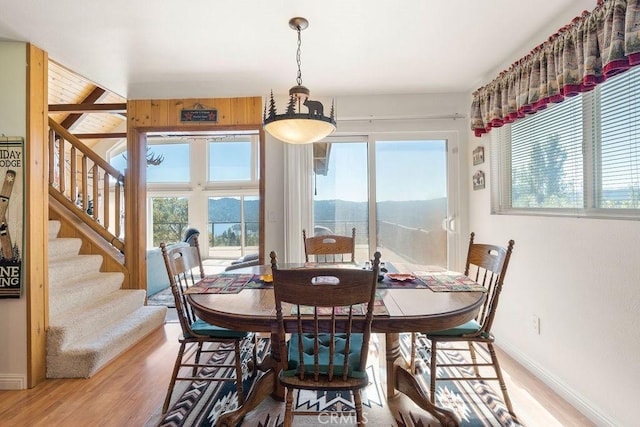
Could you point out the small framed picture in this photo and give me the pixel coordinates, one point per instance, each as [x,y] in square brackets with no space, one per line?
[478,180]
[478,155]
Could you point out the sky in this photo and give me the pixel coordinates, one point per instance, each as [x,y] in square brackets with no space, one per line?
[405,170]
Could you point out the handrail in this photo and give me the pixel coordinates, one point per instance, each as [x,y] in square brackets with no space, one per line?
[96,196]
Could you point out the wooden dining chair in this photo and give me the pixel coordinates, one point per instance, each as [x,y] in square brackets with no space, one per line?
[324,310]
[184,267]
[329,248]
[487,265]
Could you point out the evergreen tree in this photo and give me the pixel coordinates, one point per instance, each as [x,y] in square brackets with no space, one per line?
[170,217]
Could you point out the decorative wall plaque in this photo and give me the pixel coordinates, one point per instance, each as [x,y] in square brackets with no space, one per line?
[478,180]
[207,115]
[478,155]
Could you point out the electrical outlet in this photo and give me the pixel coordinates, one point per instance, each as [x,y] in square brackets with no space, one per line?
[534,323]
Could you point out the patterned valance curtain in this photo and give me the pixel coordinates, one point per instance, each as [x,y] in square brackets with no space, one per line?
[584,53]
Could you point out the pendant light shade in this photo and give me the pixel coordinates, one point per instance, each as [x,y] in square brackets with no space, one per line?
[295,126]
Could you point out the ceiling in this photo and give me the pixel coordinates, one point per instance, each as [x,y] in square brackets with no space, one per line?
[223,48]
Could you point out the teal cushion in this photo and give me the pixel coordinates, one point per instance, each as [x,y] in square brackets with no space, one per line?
[203,328]
[467,328]
[353,365]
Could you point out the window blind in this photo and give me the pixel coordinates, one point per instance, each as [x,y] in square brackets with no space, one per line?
[617,144]
[581,156]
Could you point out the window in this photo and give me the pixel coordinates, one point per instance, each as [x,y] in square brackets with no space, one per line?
[209,181]
[232,161]
[578,157]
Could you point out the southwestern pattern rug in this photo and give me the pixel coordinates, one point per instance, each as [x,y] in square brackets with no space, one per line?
[475,402]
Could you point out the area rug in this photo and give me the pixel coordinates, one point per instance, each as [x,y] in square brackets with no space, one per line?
[164,297]
[475,402]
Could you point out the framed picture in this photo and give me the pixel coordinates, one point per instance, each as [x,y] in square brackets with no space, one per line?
[478,180]
[478,155]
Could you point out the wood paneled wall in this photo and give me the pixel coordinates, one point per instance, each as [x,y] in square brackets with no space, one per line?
[35,252]
[163,115]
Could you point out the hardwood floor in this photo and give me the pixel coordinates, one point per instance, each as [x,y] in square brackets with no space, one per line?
[130,392]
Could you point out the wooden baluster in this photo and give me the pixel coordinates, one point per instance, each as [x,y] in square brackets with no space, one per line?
[85,182]
[105,198]
[96,192]
[73,181]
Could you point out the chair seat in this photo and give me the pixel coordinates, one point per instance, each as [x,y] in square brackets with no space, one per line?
[203,328]
[470,327]
[353,366]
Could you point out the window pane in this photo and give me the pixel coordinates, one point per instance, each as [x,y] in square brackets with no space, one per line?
[411,196]
[230,161]
[546,158]
[341,192]
[251,208]
[619,149]
[174,167]
[170,219]
[234,229]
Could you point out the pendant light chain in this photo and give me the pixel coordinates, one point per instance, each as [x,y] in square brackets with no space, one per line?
[299,79]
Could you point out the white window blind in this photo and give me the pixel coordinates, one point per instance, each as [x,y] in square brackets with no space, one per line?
[581,156]
[617,147]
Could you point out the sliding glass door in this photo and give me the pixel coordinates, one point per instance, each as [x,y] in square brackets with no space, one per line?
[393,190]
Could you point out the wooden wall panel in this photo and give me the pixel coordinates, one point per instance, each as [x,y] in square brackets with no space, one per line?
[165,113]
[35,252]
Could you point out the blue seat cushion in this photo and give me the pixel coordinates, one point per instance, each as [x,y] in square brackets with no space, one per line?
[470,327]
[203,328]
[353,365]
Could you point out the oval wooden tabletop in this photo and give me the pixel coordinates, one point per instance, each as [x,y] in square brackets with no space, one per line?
[410,310]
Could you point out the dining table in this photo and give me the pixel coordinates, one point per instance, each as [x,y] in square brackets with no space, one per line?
[409,306]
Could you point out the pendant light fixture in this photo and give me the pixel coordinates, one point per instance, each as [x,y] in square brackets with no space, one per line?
[295,126]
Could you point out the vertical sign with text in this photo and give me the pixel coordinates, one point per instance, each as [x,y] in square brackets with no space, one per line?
[11,216]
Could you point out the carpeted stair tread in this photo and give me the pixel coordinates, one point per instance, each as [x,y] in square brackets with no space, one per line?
[64,247]
[66,267]
[83,358]
[71,295]
[77,324]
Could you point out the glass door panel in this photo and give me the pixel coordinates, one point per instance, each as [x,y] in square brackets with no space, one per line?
[169,217]
[233,226]
[341,192]
[411,200]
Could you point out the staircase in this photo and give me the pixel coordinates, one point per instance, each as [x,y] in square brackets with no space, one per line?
[91,320]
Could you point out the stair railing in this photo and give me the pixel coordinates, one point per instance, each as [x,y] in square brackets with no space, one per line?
[86,184]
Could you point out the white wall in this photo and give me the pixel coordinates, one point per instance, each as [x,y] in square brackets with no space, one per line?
[580,277]
[13,312]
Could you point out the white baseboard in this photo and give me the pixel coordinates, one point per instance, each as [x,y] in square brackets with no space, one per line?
[12,382]
[586,407]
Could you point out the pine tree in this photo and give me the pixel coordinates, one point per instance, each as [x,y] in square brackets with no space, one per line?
[291,107]
[272,106]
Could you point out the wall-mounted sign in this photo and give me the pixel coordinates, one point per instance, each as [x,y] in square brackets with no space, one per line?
[478,180]
[11,211]
[478,155]
[199,115]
